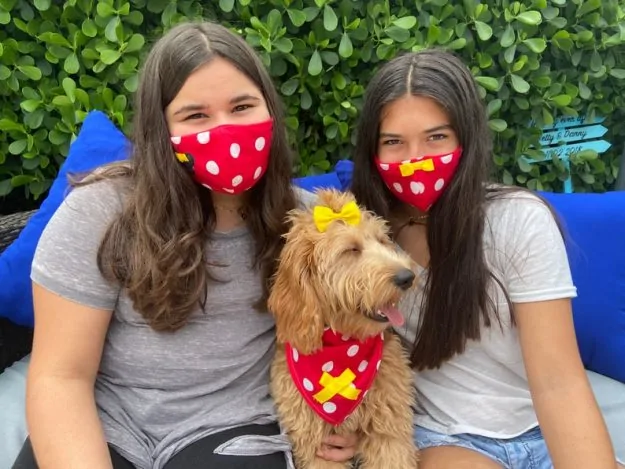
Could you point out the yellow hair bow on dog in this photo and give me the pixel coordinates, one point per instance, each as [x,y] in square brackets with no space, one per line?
[323,216]
[408,169]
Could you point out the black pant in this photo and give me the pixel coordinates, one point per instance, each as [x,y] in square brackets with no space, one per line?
[197,455]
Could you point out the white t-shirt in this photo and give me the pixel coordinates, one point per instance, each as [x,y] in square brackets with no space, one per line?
[484,390]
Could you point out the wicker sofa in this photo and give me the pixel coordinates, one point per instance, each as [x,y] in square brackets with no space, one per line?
[15,341]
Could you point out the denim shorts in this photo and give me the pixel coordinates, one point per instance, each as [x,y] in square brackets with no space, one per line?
[526,451]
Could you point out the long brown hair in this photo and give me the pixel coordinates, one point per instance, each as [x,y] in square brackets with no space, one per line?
[156,248]
[457,302]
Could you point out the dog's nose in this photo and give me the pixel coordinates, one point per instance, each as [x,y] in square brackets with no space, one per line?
[403,279]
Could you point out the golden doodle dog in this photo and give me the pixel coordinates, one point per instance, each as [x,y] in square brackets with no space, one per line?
[338,369]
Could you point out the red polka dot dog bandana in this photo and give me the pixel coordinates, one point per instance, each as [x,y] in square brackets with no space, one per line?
[335,379]
[420,181]
[229,158]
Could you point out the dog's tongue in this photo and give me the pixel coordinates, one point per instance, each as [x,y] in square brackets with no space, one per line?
[393,315]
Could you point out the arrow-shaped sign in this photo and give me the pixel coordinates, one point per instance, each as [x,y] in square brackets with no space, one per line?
[572,134]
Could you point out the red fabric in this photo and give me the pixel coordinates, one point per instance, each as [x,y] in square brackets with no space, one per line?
[229,158]
[334,380]
[427,179]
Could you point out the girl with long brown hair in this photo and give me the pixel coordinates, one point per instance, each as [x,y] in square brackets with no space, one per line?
[489,327]
[152,341]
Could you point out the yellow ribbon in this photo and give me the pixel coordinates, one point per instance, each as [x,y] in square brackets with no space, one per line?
[182,157]
[323,216]
[341,385]
[408,169]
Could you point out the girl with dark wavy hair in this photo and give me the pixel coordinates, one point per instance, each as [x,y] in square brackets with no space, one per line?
[152,341]
[489,328]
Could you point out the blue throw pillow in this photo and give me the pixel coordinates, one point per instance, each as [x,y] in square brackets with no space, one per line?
[595,228]
[98,142]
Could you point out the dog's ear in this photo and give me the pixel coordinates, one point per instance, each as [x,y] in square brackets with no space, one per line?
[293,300]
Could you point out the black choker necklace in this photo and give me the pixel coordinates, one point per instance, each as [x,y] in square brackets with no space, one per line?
[418,220]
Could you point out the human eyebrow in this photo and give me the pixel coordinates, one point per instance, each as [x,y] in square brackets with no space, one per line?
[243,97]
[438,128]
[189,108]
[389,135]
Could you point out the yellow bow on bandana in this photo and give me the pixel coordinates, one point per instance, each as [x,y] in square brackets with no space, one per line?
[323,216]
[408,169]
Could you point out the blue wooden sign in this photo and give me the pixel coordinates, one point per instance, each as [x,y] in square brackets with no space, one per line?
[571,135]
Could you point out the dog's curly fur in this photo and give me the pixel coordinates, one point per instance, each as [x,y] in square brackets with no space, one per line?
[333,279]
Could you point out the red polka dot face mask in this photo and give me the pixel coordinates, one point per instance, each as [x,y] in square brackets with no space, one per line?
[420,181]
[229,158]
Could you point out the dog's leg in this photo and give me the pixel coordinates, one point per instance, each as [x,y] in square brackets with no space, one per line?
[387,417]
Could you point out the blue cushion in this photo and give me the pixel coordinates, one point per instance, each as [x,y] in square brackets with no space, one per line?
[340,178]
[595,227]
[98,142]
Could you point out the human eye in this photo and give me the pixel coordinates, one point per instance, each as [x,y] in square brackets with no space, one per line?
[391,141]
[242,107]
[197,115]
[437,137]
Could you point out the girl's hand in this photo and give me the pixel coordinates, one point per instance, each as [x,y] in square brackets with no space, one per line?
[338,448]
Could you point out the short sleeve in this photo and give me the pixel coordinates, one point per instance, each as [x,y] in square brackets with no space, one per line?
[532,251]
[65,260]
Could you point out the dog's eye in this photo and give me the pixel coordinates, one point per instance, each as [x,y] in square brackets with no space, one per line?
[352,250]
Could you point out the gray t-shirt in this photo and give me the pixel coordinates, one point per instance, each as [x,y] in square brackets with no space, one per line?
[158,392]
[484,391]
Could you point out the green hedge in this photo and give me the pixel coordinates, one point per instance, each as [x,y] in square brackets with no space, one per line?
[534,60]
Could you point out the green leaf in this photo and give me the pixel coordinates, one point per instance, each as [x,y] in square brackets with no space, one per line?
[298,17]
[498,125]
[42,5]
[484,31]
[55,38]
[104,9]
[89,28]
[536,45]
[532,18]
[132,83]
[110,32]
[588,6]
[18,146]
[71,64]
[489,83]
[5,72]
[562,99]
[562,40]
[524,165]
[618,73]
[289,87]
[226,5]
[62,101]
[519,84]
[457,44]
[397,34]
[135,43]
[31,72]
[69,86]
[315,67]
[109,56]
[406,22]
[508,37]
[5,187]
[330,20]
[30,105]
[494,106]
[346,49]
[584,91]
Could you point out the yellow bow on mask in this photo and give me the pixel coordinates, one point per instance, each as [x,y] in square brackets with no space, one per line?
[408,169]
[323,216]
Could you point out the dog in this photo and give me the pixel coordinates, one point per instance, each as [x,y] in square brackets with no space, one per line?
[338,368]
